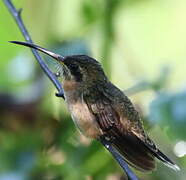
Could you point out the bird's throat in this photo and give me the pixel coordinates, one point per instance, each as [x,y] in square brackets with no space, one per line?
[70,85]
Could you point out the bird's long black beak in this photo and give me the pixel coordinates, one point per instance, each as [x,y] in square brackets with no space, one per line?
[53,55]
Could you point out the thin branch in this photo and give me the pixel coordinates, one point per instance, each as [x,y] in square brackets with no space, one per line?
[17,17]
[119,159]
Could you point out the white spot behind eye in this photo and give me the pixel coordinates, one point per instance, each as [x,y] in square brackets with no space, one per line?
[58,74]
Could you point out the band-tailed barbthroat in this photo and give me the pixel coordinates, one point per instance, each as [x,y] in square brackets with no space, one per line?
[100,109]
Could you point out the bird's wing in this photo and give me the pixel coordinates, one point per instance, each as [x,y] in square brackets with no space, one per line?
[110,121]
[121,124]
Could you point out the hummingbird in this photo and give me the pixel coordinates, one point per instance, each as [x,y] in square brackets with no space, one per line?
[100,110]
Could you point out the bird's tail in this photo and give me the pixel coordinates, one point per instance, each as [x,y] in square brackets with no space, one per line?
[140,154]
[159,155]
[135,152]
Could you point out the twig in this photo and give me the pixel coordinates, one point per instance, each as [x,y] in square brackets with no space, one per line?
[119,159]
[17,17]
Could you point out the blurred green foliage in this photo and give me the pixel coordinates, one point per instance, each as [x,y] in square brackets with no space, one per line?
[141,45]
[169,109]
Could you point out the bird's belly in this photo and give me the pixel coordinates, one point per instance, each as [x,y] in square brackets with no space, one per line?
[84,119]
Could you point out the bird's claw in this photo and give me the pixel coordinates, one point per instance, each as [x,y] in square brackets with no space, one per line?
[60,94]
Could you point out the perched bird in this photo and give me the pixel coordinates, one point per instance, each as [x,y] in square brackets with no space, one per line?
[101,110]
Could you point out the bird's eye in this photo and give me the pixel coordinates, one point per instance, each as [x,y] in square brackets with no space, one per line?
[73,67]
[75,71]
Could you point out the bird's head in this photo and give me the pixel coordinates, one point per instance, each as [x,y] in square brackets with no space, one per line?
[78,68]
